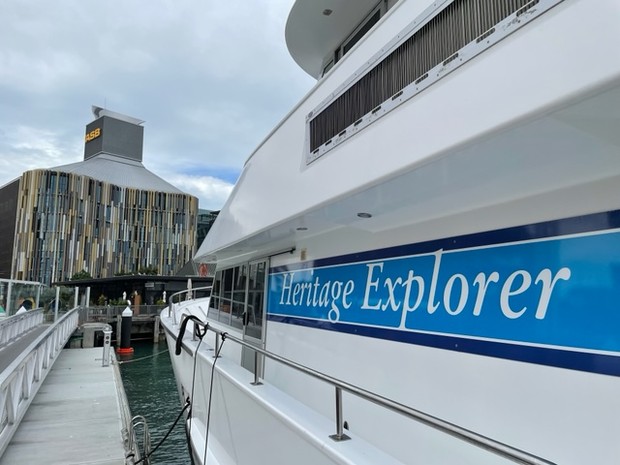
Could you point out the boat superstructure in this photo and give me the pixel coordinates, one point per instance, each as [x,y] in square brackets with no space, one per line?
[430,237]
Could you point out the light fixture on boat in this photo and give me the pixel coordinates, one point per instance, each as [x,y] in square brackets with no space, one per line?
[364,215]
[327,11]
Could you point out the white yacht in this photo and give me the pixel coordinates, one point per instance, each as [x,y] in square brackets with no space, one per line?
[421,263]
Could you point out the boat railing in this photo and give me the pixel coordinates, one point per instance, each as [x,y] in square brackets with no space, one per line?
[501,449]
[14,326]
[186,294]
[21,379]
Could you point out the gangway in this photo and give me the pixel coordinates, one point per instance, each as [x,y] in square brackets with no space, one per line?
[28,349]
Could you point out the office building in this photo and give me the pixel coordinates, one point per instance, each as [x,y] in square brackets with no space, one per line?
[105,215]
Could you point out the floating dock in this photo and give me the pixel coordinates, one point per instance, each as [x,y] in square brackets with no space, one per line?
[77,416]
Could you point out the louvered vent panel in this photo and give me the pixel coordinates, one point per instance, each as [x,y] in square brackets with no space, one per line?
[460,23]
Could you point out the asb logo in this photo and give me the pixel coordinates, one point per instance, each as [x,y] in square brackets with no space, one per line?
[93,134]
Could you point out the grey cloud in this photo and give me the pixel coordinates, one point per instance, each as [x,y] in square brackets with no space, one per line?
[209,78]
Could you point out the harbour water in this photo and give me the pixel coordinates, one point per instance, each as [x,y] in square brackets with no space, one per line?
[151,391]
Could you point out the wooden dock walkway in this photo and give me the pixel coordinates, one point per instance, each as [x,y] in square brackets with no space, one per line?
[75,418]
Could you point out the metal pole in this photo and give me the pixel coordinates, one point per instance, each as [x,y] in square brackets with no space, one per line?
[217,344]
[339,436]
[56,303]
[107,339]
[75,297]
[156,330]
[119,323]
[38,297]
[256,380]
[8,299]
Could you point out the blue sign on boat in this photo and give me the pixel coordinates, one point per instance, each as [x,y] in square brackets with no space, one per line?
[558,293]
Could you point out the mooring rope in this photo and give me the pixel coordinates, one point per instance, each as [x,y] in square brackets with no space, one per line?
[120,362]
[145,459]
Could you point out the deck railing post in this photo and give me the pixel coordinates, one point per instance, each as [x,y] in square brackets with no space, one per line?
[217,344]
[256,378]
[483,442]
[339,436]
[56,301]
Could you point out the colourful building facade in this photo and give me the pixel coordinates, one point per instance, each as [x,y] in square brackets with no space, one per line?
[106,215]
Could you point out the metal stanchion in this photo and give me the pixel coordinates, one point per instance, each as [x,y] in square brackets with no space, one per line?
[339,436]
[256,378]
[107,340]
[217,345]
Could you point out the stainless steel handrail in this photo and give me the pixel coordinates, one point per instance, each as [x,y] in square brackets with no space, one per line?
[23,376]
[132,452]
[188,292]
[479,440]
[145,453]
[14,326]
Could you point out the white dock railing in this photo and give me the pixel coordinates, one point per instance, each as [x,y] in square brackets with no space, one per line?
[21,380]
[14,326]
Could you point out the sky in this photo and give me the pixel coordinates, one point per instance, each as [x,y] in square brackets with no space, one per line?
[210,79]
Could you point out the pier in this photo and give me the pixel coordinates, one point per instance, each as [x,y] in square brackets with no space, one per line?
[145,325]
[74,418]
[60,405]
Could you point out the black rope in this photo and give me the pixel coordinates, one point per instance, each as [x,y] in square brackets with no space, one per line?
[146,457]
[199,332]
[200,329]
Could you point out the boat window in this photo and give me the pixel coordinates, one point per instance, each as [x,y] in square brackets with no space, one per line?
[361,31]
[214,301]
[237,291]
[227,293]
[328,66]
[436,42]
[256,297]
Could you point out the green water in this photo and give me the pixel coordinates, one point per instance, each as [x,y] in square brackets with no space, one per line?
[152,392]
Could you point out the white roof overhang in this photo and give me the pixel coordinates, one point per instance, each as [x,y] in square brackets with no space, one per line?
[311,34]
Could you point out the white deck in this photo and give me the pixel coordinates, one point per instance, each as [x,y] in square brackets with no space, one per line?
[75,417]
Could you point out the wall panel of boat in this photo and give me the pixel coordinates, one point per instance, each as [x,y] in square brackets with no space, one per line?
[568,416]
[480,100]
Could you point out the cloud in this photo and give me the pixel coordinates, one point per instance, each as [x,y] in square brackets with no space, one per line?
[25,148]
[210,79]
[211,192]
